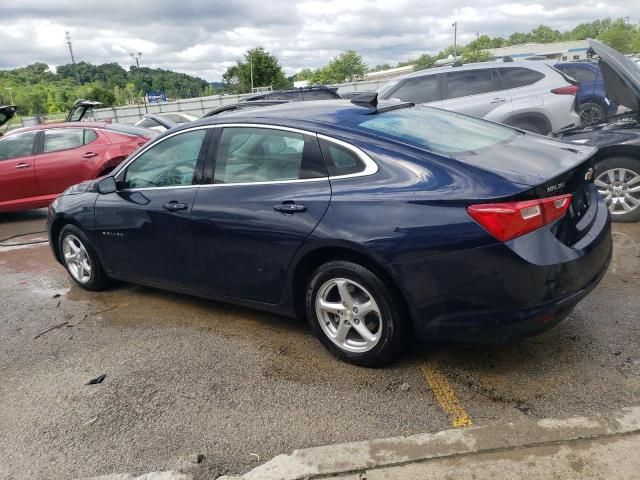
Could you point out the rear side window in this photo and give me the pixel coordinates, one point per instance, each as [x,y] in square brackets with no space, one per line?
[318,95]
[514,77]
[63,139]
[340,160]
[17,146]
[422,89]
[89,136]
[468,82]
[250,155]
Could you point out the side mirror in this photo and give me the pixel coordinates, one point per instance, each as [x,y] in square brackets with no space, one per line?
[107,185]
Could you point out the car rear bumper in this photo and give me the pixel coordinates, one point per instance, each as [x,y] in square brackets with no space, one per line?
[507,291]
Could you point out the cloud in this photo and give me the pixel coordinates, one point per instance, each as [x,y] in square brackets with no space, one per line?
[204,38]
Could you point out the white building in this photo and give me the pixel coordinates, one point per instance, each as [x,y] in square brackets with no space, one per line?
[559,51]
[389,74]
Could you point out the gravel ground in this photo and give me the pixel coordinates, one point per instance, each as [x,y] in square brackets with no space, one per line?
[186,376]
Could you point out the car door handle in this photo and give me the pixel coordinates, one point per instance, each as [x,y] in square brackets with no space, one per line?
[498,100]
[290,207]
[175,206]
[23,165]
[89,155]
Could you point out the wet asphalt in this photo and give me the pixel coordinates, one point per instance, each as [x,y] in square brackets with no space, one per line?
[189,376]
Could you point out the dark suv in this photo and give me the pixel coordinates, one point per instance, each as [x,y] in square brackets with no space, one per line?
[320,92]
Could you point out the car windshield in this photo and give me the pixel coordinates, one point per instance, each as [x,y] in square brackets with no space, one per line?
[437,130]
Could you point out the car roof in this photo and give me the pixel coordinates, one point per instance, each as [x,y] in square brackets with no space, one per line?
[58,125]
[533,65]
[309,115]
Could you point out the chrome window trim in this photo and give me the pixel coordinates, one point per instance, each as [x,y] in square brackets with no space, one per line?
[371,167]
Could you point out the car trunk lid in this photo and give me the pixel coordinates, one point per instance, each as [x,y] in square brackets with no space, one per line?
[551,168]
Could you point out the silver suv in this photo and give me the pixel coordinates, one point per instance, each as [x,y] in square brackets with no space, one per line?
[525,94]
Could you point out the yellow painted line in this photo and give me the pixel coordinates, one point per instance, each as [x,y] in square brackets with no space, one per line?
[445,395]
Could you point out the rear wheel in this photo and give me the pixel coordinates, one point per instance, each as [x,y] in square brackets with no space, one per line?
[590,113]
[354,314]
[80,259]
[618,181]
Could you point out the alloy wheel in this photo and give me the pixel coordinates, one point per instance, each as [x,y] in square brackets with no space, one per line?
[348,315]
[620,188]
[590,115]
[76,258]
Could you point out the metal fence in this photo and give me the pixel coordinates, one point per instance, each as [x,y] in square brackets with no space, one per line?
[130,114]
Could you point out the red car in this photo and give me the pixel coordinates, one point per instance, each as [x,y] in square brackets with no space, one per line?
[38,163]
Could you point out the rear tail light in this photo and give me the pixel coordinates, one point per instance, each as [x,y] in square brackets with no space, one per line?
[506,221]
[570,90]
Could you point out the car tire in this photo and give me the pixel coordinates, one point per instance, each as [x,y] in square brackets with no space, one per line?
[80,259]
[342,331]
[618,176]
[590,113]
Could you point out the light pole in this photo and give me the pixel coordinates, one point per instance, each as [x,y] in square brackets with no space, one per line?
[455,40]
[144,95]
[251,68]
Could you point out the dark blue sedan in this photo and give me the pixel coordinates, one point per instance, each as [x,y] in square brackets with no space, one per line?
[376,222]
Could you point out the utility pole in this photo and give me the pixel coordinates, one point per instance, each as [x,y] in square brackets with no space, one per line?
[144,94]
[455,40]
[73,60]
[477,35]
[251,67]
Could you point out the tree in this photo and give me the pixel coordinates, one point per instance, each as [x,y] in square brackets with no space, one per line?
[266,72]
[346,66]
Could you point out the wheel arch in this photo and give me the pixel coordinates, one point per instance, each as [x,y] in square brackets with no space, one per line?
[536,118]
[56,227]
[312,259]
[609,151]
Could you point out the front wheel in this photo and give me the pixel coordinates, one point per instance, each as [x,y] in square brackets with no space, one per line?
[618,181]
[354,314]
[80,259]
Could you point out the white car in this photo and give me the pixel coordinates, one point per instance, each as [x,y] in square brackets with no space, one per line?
[148,121]
[529,95]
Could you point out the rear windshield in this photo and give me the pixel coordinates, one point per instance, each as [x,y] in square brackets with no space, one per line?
[130,130]
[437,130]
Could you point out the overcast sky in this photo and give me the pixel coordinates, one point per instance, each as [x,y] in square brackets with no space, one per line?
[203,38]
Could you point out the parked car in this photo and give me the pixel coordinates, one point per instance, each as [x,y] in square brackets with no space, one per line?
[526,94]
[358,215]
[617,138]
[153,121]
[38,163]
[318,92]
[7,112]
[350,95]
[245,105]
[593,103]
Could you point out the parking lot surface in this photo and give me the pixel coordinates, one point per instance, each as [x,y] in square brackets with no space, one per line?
[188,376]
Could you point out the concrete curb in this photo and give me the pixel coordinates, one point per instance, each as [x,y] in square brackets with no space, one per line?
[329,460]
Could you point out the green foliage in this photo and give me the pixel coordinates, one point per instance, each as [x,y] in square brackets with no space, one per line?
[37,90]
[346,67]
[266,72]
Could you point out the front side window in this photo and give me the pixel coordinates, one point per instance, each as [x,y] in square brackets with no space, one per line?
[247,155]
[422,89]
[469,82]
[514,77]
[169,163]
[17,146]
[58,139]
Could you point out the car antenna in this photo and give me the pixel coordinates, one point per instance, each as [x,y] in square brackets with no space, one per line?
[366,99]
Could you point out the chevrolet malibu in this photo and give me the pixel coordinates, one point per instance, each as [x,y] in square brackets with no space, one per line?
[377,222]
